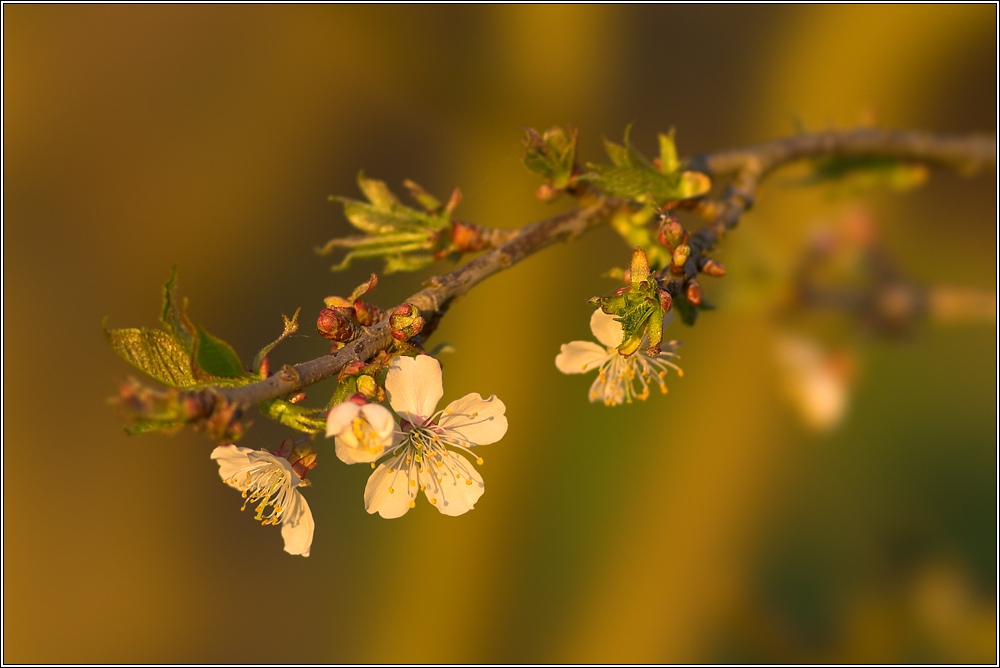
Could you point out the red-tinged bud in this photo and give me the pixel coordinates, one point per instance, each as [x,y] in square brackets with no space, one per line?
[679,259]
[467,237]
[368,388]
[358,398]
[334,325]
[713,268]
[666,301]
[301,456]
[350,369]
[265,368]
[692,292]
[671,234]
[366,313]
[405,322]
[546,193]
[297,398]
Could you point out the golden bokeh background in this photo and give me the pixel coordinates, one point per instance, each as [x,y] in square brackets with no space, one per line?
[709,525]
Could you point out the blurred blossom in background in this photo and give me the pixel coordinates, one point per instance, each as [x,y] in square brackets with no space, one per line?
[713,524]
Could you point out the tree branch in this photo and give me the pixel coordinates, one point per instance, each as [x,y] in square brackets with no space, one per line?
[432,302]
[746,167]
[749,166]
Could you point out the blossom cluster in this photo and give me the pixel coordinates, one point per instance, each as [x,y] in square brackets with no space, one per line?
[415,448]
[424,450]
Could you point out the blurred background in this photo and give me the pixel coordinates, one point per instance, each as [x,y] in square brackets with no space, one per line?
[724,522]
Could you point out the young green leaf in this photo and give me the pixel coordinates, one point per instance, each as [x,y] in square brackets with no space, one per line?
[155,353]
[216,358]
[174,314]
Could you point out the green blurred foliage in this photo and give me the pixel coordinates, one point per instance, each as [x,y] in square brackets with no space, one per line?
[706,525]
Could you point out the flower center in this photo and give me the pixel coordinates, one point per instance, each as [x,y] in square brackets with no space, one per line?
[628,378]
[366,436]
[425,459]
[266,484]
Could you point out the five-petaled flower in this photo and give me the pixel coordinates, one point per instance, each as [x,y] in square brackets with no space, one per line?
[269,481]
[363,431]
[430,454]
[619,378]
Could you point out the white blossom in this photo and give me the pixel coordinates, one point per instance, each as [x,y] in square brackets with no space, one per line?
[619,379]
[432,447]
[270,482]
[363,431]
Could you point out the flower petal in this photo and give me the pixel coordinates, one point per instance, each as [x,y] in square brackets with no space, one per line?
[414,387]
[380,419]
[297,526]
[231,459]
[606,329]
[366,436]
[340,416]
[453,488]
[389,491]
[580,356]
[475,420]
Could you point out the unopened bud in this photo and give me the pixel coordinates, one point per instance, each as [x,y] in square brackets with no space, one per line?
[692,292]
[546,193]
[665,301]
[350,369]
[681,255]
[713,268]
[300,455]
[671,233]
[334,325]
[467,237]
[639,267]
[367,314]
[405,322]
[368,387]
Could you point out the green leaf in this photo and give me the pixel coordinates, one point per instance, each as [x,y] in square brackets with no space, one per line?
[632,176]
[634,183]
[155,353]
[216,357]
[668,153]
[552,154]
[407,262]
[377,192]
[365,247]
[618,154]
[384,213]
[174,314]
[691,184]
[417,192]
[373,219]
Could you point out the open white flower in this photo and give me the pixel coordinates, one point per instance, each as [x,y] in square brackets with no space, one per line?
[363,431]
[431,454]
[270,482]
[619,379]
